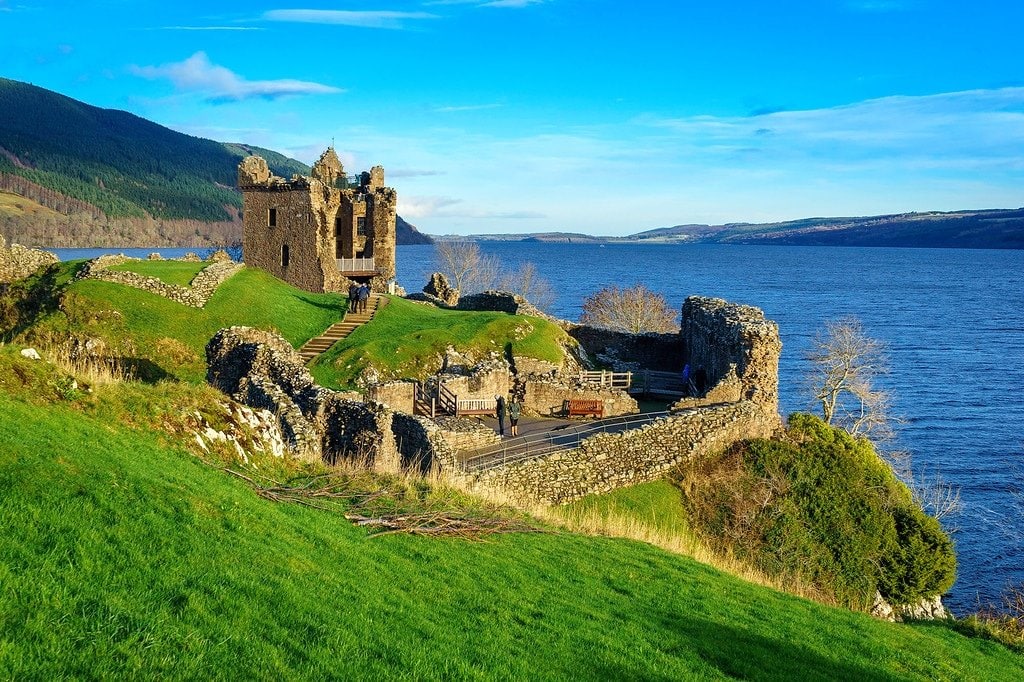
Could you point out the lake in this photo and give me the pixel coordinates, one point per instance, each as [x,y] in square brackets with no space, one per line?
[953,320]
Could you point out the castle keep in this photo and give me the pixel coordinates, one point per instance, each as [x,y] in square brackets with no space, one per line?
[320,232]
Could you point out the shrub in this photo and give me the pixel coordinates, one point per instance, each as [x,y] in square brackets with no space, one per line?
[821,505]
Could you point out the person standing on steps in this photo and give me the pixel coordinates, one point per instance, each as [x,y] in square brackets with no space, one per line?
[499,410]
[515,408]
[364,296]
[353,297]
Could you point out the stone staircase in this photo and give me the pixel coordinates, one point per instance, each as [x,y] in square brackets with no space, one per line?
[336,332]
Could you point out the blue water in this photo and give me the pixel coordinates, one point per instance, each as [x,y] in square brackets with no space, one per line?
[953,320]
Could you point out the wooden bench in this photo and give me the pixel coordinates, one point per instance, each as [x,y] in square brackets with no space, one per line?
[582,408]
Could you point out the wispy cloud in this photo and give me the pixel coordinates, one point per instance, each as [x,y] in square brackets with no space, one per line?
[424,206]
[217,84]
[413,173]
[212,28]
[879,5]
[488,3]
[364,18]
[465,107]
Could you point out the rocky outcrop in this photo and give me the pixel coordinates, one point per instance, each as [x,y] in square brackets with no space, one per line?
[929,608]
[203,286]
[18,262]
[262,370]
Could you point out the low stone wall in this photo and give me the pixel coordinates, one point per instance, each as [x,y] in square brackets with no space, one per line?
[547,396]
[262,370]
[398,395]
[606,461]
[18,262]
[630,352]
[503,302]
[728,390]
[202,288]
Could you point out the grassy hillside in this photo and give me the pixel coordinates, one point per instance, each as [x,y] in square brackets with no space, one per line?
[124,556]
[409,339]
[162,337]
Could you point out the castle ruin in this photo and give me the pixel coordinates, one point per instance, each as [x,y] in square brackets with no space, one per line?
[320,232]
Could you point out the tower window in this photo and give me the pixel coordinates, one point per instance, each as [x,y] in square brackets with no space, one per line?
[272,217]
[284,256]
[361,226]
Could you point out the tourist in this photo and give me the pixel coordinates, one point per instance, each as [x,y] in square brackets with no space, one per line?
[353,297]
[686,380]
[515,408]
[364,296]
[499,410]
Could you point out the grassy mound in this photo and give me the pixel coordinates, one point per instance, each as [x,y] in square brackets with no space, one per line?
[161,338]
[171,272]
[820,506]
[124,556]
[408,339]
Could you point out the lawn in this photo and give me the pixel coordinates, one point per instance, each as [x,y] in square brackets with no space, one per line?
[124,556]
[407,339]
[171,272]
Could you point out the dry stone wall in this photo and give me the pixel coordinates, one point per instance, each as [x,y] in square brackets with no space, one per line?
[18,262]
[547,396]
[630,352]
[612,460]
[202,288]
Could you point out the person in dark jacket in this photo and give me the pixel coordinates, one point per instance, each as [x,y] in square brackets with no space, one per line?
[353,297]
[515,408]
[499,409]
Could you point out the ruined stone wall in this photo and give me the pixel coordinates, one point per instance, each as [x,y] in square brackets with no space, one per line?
[261,369]
[486,379]
[17,261]
[717,335]
[295,228]
[502,302]
[381,217]
[203,286]
[398,395]
[608,461]
[629,352]
[547,397]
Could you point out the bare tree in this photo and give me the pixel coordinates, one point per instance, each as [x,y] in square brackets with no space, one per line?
[632,310]
[468,269]
[528,283]
[845,363]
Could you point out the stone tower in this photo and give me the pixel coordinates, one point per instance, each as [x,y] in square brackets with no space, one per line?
[319,232]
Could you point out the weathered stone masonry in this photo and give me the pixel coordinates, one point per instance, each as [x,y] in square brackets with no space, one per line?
[203,286]
[298,229]
[17,261]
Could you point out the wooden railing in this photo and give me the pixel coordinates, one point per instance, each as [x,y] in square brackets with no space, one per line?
[422,403]
[356,265]
[447,402]
[621,380]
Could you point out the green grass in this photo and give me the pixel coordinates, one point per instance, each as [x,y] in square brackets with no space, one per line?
[124,557]
[172,272]
[657,504]
[172,337]
[407,339]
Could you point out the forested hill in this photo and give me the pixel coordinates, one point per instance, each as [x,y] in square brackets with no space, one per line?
[102,177]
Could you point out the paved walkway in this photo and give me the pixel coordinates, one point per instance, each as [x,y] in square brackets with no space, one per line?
[336,332]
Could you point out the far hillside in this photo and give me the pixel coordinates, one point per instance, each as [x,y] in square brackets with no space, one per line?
[118,179]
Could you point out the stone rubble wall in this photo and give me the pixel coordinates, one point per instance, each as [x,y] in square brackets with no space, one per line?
[625,352]
[502,302]
[261,369]
[718,335]
[608,461]
[18,262]
[203,286]
[728,390]
[398,395]
[546,396]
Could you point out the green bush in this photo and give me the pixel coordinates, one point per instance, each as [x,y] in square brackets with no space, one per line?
[822,506]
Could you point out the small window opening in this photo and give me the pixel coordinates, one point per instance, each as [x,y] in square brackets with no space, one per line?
[284,256]
[272,218]
[361,226]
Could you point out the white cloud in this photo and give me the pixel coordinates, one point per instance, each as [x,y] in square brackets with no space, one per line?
[219,84]
[363,18]
[212,28]
[424,206]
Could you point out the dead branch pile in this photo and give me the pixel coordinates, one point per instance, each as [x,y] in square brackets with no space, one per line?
[388,507]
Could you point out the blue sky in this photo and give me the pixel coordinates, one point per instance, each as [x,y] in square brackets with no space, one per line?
[607,117]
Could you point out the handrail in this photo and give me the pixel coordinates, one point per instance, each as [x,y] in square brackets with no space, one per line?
[532,446]
[447,400]
[606,378]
